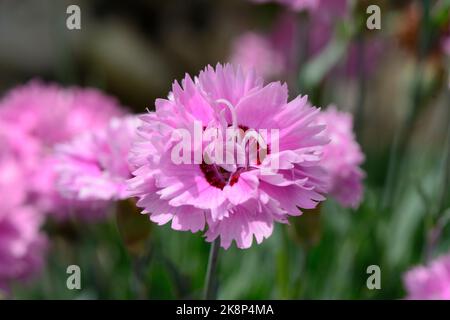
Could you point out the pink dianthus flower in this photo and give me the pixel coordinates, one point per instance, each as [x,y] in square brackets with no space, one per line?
[342,158]
[22,245]
[237,202]
[19,158]
[94,166]
[253,50]
[53,114]
[272,55]
[431,282]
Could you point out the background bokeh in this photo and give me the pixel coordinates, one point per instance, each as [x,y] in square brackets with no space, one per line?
[399,95]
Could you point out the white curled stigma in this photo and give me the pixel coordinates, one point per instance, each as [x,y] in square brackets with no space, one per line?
[232,109]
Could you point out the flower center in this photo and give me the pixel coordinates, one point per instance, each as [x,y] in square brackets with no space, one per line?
[219,177]
[216,175]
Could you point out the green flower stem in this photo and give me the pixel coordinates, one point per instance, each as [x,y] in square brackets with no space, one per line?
[211,277]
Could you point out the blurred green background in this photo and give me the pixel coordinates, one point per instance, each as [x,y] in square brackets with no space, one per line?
[135,49]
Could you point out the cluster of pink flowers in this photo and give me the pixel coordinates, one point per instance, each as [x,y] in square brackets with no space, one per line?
[34,118]
[52,115]
[74,150]
[431,282]
[22,245]
[235,202]
[69,150]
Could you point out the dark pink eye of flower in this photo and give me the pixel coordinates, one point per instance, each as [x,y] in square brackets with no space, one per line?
[219,177]
[275,169]
[215,175]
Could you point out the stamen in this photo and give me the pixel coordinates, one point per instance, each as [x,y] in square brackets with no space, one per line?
[260,146]
[232,111]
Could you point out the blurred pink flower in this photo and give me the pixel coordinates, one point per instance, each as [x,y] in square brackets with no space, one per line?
[237,202]
[22,245]
[322,24]
[370,56]
[271,55]
[45,195]
[275,54]
[342,158]
[331,9]
[53,114]
[94,165]
[446,45]
[253,50]
[50,114]
[321,31]
[17,162]
[325,7]
[431,282]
